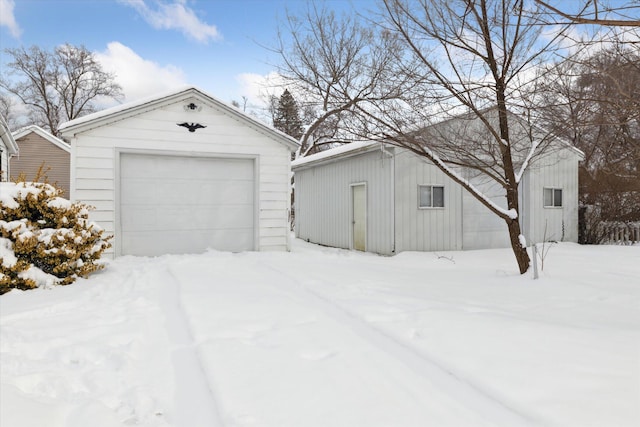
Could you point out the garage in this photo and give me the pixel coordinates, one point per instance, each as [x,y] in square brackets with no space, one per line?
[182,172]
[177,204]
[481,228]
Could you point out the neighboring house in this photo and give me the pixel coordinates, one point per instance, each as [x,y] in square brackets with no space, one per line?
[181,173]
[379,198]
[38,148]
[8,149]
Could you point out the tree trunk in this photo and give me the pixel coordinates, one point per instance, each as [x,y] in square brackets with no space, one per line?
[522,257]
[513,224]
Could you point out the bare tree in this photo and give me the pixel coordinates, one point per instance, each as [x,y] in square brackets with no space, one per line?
[596,12]
[334,63]
[595,102]
[475,56]
[435,60]
[58,86]
[7,110]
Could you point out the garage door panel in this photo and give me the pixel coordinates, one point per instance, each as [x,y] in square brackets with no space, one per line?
[173,218]
[144,243]
[172,204]
[138,191]
[138,218]
[161,167]
[231,217]
[210,218]
[137,165]
[234,192]
[144,191]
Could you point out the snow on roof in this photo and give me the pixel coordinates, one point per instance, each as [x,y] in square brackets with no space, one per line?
[44,134]
[343,150]
[150,100]
[124,107]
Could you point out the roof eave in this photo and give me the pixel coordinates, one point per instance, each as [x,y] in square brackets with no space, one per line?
[101,118]
[20,133]
[341,155]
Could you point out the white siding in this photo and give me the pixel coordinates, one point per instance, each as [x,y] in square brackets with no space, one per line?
[323,201]
[395,223]
[94,179]
[428,229]
[482,228]
[4,163]
[556,170]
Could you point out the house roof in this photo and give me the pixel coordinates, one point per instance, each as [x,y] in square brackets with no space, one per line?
[360,147]
[7,138]
[130,109]
[470,115]
[337,152]
[20,133]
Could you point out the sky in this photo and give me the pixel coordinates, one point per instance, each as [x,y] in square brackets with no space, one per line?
[157,45]
[153,46]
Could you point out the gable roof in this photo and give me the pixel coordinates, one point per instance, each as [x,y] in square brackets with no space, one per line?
[340,152]
[21,133]
[470,115]
[354,148]
[130,109]
[7,138]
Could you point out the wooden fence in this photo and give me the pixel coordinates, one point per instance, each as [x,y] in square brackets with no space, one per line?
[622,233]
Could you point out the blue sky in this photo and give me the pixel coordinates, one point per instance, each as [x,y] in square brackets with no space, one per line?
[156,45]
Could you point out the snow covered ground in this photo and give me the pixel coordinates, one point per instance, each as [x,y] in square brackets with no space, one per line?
[326,337]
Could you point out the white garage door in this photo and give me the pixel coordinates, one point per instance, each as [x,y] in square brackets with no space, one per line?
[175,205]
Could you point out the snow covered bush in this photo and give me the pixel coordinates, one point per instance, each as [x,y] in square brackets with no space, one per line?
[44,239]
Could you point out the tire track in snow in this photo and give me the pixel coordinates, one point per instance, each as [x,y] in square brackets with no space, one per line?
[490,409]
[195,403]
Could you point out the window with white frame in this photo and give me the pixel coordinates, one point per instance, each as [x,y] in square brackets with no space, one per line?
[430,196]
[553,197]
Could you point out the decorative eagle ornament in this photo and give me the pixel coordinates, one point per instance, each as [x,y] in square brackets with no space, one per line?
[191,126]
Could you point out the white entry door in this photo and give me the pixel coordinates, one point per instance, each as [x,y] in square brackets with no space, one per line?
[180,204]
[359,219]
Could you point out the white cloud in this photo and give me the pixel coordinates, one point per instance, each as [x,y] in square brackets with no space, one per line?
[139,77]
[174,16]
[7,19]
[257,87]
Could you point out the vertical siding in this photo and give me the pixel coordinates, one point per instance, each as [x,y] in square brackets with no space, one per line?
[34,151]
[323,201]
[483,229]
[558,169]
[94,160]
[428,229]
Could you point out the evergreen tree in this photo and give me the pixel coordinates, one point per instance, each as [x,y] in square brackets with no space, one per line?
[286,117]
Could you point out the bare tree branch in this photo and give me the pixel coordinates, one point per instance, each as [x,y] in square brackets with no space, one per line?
[60,85]
[580,17]
[421,63]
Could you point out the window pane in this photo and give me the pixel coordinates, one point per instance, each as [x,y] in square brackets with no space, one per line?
[557,197]
[425,196]
[438,197]
[548,197]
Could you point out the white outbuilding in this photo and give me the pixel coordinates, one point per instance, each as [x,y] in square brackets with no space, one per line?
[8,148]
[182,173]
[375,197]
